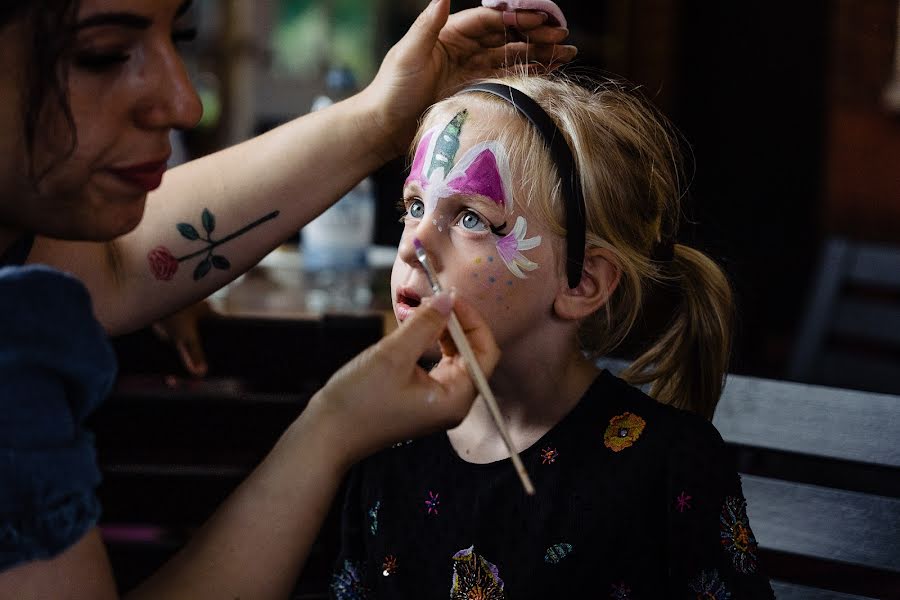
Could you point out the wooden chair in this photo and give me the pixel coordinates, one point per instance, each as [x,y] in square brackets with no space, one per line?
[850,334]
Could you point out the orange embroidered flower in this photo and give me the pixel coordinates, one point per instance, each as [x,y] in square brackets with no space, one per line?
[623,430]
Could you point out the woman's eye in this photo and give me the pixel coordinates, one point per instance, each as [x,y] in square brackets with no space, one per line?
[100,61]
[416,209]
[472,221]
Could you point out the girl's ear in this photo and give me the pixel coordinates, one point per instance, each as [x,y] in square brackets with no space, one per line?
[599,279]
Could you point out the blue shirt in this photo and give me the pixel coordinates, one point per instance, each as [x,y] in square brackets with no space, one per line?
[56,367]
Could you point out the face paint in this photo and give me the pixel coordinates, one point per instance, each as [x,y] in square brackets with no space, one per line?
[509,248]
[483,170]
[447,145]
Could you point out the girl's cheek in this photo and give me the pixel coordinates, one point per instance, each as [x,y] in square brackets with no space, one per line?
[492,281]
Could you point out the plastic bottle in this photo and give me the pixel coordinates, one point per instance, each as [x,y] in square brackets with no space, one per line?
[334,246]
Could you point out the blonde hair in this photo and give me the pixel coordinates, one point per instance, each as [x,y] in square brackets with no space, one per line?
[630,168]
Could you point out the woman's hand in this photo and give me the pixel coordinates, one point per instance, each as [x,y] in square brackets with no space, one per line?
[438,55]
[382,396]
[181,329]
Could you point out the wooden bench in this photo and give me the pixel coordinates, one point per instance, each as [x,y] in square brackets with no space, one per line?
[821,472]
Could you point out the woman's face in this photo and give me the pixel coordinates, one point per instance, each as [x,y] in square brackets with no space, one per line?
[127,89]
[464,207]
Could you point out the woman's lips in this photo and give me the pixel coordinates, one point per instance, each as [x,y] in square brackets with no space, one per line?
[146,176]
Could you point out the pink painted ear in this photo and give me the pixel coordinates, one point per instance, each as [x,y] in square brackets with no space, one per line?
[417,171]
[482,177]
[555,14]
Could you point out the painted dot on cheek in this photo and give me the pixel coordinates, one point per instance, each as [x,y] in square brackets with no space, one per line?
[509,282]
[478,260]
[492,279]
[490,259]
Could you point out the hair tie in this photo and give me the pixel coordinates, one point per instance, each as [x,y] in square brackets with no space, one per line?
[663,252]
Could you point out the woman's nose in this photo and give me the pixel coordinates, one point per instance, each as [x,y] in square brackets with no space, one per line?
[172,101]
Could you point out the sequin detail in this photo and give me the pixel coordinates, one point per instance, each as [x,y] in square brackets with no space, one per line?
[683,502]
[432,503]
[373,517]
[474,578]
[708,586]
[389,566]
[736,536]
[557,552]
[347,584]
[623,430]
[549,455]
[620,591]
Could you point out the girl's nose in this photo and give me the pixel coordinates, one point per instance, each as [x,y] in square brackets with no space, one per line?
[432,239]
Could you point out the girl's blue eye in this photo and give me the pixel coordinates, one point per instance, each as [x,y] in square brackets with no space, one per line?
[416,209]
[472,221]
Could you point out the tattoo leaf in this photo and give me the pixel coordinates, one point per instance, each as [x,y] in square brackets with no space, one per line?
[209,221]
[187,230]
[202,269]
[220,262]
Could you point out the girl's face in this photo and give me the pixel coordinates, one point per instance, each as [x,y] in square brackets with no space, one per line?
[462,204]
[127,89]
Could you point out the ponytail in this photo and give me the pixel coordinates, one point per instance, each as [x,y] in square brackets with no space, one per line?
[686,366]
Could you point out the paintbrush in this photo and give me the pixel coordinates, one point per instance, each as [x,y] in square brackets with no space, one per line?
[462,344]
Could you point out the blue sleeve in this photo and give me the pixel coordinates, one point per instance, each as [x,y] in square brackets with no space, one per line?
[56,366]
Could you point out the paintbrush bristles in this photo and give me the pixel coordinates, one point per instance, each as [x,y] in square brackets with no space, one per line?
[481,383]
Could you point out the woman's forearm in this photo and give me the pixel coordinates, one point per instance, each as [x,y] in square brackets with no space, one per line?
[256,543]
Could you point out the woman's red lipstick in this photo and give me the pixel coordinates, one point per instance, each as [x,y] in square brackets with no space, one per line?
[147,176]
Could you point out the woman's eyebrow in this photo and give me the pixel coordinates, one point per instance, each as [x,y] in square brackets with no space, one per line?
[125,19]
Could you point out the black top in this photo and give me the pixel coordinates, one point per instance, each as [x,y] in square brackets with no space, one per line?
[634,499]
[18,252]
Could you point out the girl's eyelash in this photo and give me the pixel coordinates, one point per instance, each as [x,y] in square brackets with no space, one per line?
[498,230]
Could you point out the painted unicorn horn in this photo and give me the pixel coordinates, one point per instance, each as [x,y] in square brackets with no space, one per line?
[447,145]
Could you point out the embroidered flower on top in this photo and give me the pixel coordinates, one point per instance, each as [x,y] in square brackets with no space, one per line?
[549,456]
[475,577]
[620,591]
[736,536]
[347,584]
[389,566]
[683,502]
[432,503]
[373,517]
[510,249]
[557,552]
[708,586]
[623,430]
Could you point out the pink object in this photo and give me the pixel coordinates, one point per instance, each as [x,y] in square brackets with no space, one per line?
[417,171]
[481,178]
[555,14]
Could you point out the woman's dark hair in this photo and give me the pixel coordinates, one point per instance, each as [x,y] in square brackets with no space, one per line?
[50,33]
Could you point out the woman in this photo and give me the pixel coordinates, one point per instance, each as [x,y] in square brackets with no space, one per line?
[89,92]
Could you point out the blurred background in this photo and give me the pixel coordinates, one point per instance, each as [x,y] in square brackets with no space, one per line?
[791,112]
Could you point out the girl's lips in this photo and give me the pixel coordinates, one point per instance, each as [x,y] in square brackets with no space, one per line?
[407,300]
[146,176]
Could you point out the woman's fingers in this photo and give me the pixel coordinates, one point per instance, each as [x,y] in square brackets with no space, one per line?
[418,333]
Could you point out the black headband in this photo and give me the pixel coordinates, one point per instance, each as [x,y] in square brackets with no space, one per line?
[565,166]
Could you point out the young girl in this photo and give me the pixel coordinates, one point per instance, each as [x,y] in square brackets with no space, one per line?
[636,497]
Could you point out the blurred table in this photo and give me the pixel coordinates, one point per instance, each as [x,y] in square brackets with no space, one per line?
[278,287]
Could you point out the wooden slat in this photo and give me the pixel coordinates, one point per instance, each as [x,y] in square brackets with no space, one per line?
[789,591]
[810,419]
[876,265]
[850,527]
[855,370]
[868,319]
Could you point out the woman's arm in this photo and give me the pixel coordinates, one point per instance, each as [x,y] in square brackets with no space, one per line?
[215,217]
[256,543]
